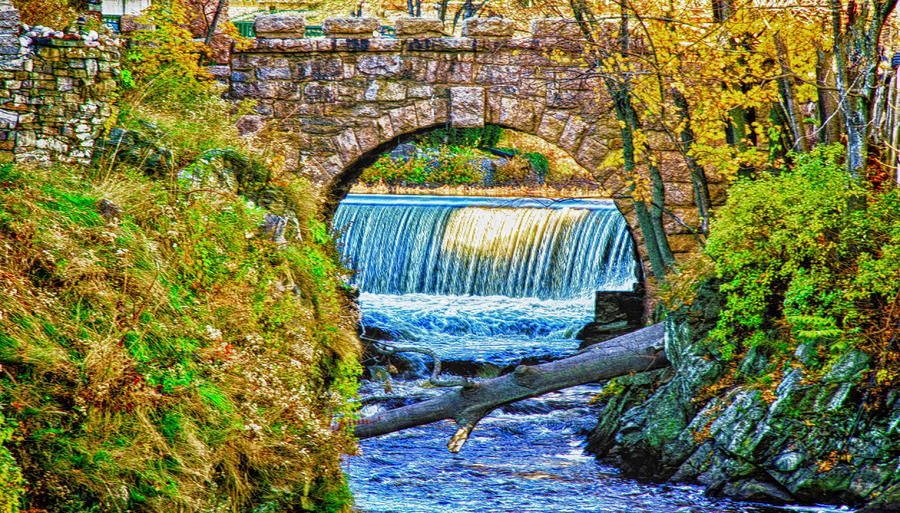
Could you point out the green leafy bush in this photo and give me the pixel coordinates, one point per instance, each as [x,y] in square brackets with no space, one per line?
[452,166]
[11,483]
[809,256]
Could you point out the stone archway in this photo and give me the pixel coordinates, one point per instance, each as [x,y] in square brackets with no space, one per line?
[348,97]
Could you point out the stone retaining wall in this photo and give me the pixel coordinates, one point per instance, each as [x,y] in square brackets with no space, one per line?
[57,92]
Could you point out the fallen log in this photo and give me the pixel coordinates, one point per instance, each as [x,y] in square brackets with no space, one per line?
[639,351]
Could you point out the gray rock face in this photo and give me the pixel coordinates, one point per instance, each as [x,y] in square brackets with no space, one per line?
[805,438]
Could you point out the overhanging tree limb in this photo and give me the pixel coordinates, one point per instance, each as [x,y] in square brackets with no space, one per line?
[638,351]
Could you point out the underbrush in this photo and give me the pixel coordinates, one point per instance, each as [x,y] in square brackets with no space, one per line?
[807,257]
[168,357]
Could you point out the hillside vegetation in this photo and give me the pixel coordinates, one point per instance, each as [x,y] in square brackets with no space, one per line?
[168,357]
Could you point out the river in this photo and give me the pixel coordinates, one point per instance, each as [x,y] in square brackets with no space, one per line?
[487,283]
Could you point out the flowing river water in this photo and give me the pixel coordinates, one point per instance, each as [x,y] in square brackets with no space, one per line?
[487,283]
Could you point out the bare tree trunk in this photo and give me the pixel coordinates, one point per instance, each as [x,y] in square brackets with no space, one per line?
[638,351]
[830,119]
[215,21]
[789,98]
[656,216]
[856,54]
[698,174]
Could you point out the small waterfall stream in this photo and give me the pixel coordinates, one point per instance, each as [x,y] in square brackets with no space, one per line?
[493,281]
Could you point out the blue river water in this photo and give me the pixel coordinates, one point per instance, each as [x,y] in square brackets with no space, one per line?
[493,281]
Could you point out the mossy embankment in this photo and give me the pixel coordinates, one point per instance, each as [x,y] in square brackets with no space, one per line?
[158,352]
[784,385]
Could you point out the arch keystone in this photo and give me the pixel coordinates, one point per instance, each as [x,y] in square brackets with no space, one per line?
[467,107]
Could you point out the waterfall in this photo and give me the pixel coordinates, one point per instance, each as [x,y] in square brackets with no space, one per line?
[466,246]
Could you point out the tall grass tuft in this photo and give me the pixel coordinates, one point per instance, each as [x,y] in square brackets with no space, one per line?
[169,358]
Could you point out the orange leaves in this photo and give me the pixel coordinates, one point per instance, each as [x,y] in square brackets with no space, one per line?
[169,46]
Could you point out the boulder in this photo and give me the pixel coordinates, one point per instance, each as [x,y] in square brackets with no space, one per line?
[138,149]
[404,152]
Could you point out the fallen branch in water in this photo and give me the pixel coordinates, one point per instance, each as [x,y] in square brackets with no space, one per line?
[639,351]
[387,349]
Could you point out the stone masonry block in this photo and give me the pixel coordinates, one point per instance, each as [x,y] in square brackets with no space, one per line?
[419,28]
[404,119]
[276,26]
[488,27]
[467,107]
[550,28]
[350,27]
[380,65]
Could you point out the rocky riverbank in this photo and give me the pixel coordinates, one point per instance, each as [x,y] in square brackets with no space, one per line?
[817,434]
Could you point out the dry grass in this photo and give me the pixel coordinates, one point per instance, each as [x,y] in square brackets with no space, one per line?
[163,361]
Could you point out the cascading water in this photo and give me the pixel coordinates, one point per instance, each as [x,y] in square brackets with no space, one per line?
[484,278]
[485,246]
[492,280]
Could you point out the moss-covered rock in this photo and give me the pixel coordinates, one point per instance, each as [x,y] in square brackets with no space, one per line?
[812,435]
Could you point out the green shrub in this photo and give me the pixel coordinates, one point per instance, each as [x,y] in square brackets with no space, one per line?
[809,256]
[452,166]
[11,484]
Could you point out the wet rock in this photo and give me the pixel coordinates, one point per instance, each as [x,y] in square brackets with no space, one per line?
[615,313]
[790,461]
[804,439]
[756,491]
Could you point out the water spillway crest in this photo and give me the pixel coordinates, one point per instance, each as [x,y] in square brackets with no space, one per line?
[485,246]
[483,278]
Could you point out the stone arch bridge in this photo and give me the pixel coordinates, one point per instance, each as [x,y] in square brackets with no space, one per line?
[348,97]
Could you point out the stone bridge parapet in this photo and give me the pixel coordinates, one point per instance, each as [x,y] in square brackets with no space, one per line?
[344,101]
